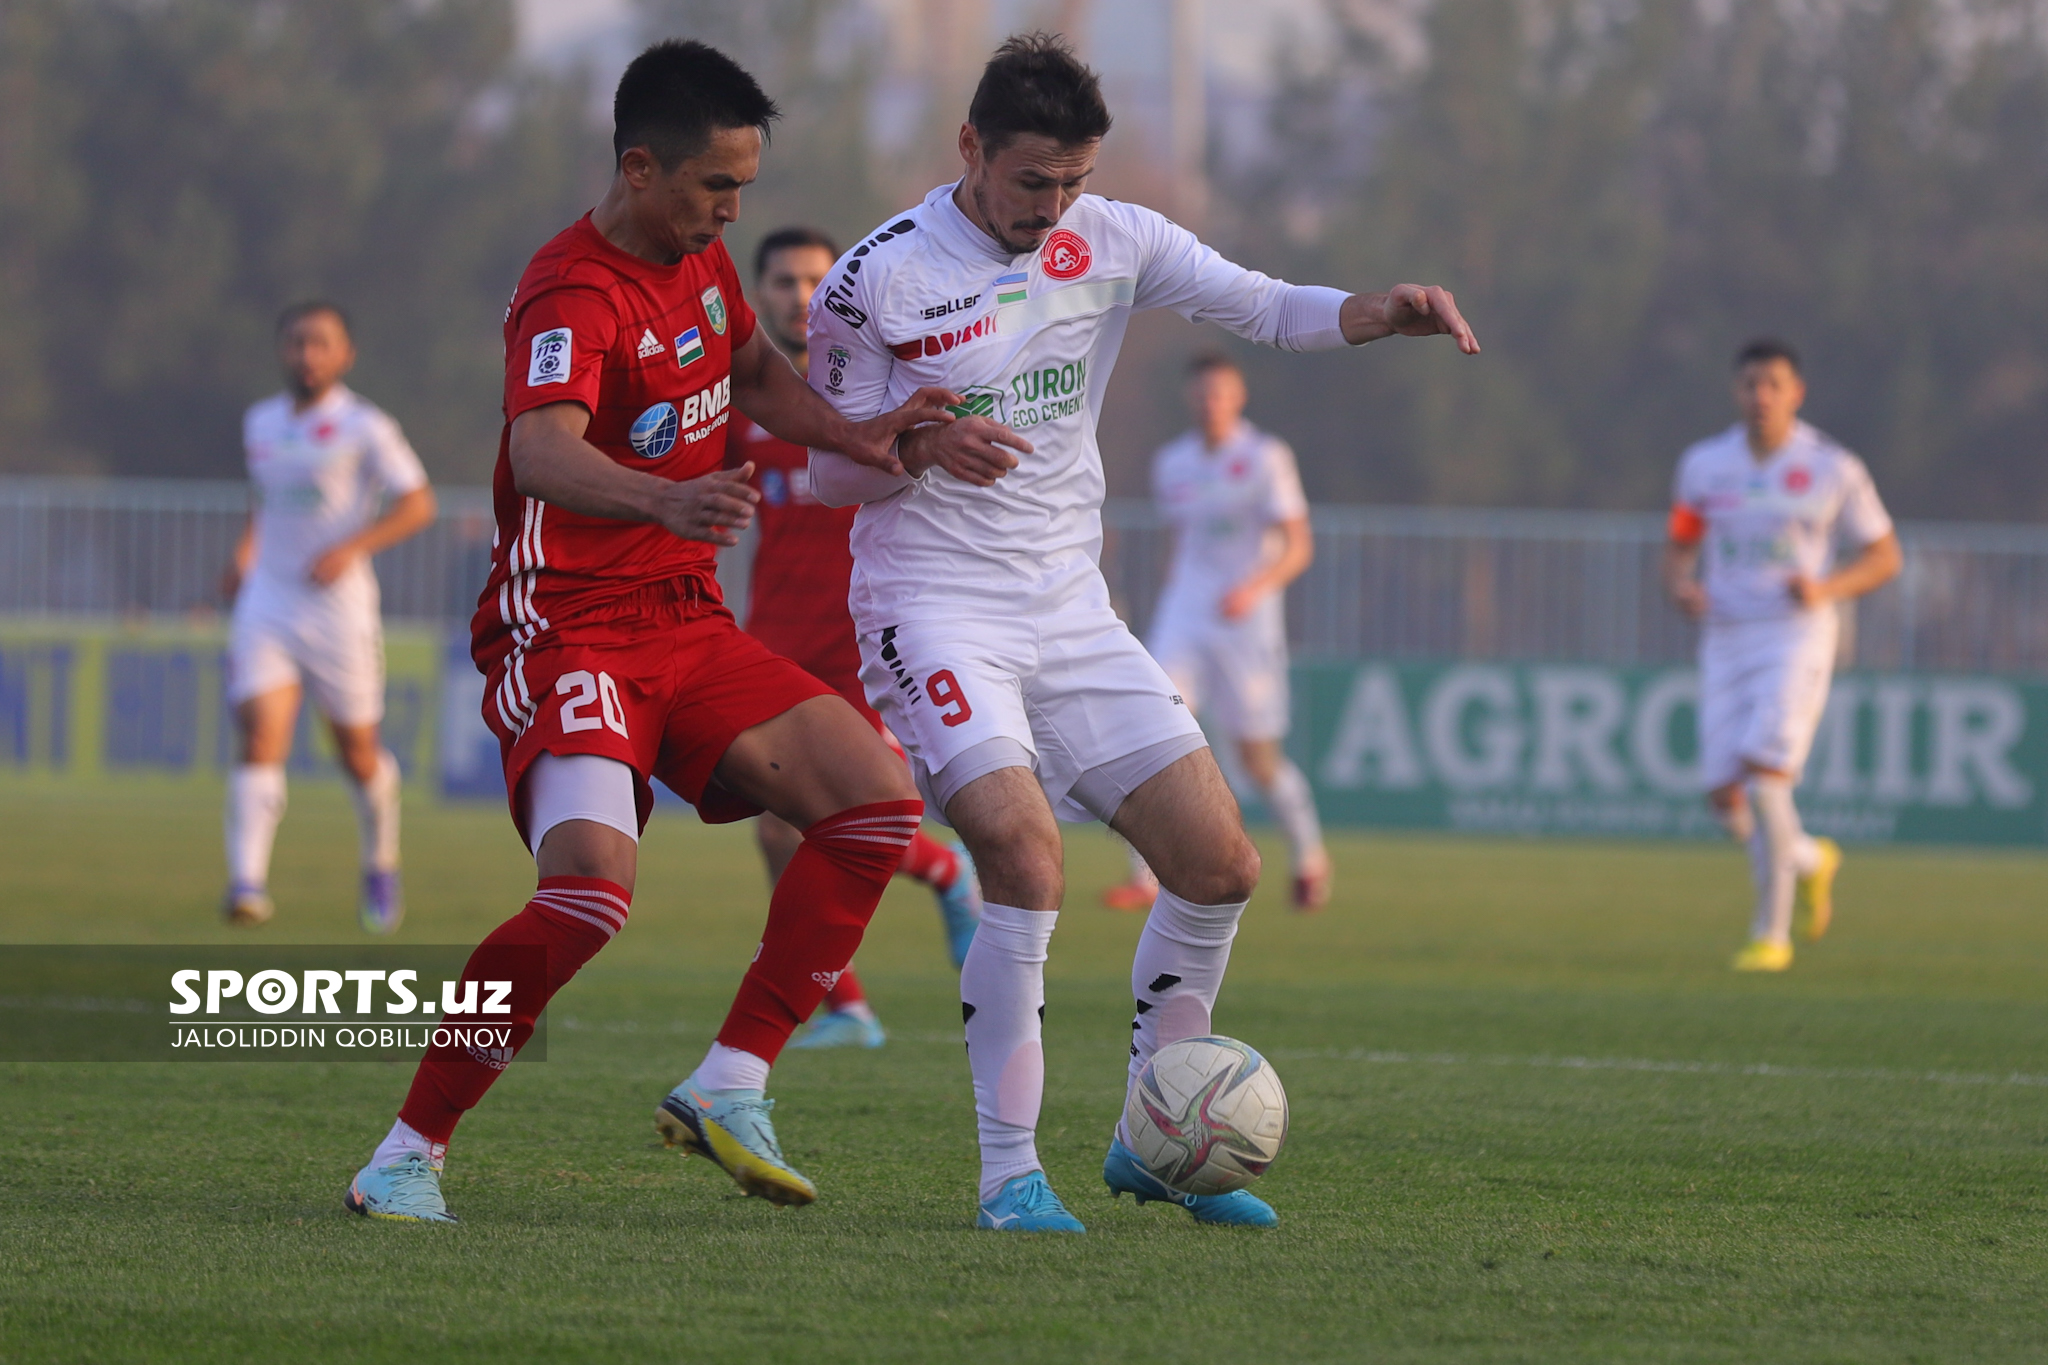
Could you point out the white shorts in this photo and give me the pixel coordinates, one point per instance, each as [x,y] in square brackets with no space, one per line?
[1233,672]
[334,649]
[1763,686]
[1073,696]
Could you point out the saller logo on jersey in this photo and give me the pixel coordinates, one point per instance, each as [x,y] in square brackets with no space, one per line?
[550,362]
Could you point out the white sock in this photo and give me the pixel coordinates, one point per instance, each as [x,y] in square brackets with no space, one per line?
[1805,853]
[1176,973]
[861,1010]
[728,1068]
[1773,857]
[1294,806]
[377,814]
[255,805]
[404,1138]
[1002,999]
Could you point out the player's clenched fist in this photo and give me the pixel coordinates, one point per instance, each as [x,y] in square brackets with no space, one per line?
[714,508]
[874,441]
[976,450]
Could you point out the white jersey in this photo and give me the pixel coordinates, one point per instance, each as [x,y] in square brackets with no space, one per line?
[320,477]
[1029,340]
[1224,506]
[1765,521]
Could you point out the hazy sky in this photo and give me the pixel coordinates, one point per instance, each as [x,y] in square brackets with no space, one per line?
[1239,33]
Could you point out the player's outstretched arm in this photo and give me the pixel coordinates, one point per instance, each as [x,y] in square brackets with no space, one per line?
[1409,310]
[551,461]
[774,396]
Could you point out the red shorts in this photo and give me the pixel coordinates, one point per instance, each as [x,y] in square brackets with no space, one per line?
[661,682]
[826,650]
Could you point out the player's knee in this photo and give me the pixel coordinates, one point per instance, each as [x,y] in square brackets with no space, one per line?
[1020,867]
[1230,875]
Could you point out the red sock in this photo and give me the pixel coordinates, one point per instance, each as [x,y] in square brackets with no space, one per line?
[821,906]
[929,861]
[846,991]
[568,920]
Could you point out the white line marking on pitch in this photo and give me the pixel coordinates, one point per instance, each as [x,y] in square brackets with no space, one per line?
[1870,1073]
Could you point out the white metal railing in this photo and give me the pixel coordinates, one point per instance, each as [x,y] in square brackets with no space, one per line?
[1436,583]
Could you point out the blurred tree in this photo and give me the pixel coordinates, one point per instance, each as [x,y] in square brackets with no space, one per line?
[171,174]
[814,60]
[1620,195]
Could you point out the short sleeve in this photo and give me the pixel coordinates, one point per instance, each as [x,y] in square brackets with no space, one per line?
[1863,519]
[558,350]
[1684,487]
[1284,499]
[393,464]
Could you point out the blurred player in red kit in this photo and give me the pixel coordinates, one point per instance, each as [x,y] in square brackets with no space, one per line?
[608,656]
[796,605]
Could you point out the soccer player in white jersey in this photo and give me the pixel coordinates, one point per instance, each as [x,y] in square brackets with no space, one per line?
[987,639]
[1241,535]
[1756,515]
[323,461]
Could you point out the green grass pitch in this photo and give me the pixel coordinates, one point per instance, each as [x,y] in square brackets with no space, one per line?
[1535,1119]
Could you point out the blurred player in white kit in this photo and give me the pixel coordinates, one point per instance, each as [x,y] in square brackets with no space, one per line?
[1241,535]
[322,461]
[1756,514]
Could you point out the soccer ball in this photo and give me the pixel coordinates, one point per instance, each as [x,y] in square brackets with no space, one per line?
[1206,1115]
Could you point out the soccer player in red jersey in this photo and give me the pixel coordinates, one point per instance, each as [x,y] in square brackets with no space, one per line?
[796,605]
[609,657]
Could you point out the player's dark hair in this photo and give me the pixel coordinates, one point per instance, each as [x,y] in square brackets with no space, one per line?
[1035,84]
[789,239]
[679,92]
[1765,349]
[306,308]
[1206,361]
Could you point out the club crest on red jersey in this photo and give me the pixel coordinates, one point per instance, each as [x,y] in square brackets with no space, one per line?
[714,308]
[1065,256]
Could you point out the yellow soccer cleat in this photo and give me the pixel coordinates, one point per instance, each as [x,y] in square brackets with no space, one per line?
[1814,906]
[1762,955]
[732,1129]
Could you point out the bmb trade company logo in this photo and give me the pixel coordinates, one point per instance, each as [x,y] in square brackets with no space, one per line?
[72,1003]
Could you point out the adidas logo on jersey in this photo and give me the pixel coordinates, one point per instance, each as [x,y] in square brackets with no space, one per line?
[649,343]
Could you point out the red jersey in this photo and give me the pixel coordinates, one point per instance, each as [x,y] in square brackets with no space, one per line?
[647,349]
[797,602]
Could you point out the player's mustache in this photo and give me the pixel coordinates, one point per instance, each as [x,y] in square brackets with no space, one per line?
[1032,225]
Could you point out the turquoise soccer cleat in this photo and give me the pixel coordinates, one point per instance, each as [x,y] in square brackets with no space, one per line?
[731,1128]
[408,1191]
[1240,1208]
[382,908]
[1026,1203]
[841,1028]
[960,906]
